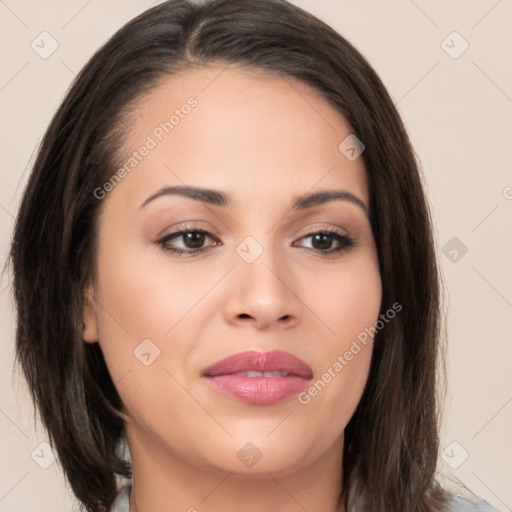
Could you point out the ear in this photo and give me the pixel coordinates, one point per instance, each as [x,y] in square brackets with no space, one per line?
[90,328]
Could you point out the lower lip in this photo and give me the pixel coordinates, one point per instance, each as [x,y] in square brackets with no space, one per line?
[258,390]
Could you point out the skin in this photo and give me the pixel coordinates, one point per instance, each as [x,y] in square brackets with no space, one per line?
[263,140]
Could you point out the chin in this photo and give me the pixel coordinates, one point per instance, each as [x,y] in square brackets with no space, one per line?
[259,455]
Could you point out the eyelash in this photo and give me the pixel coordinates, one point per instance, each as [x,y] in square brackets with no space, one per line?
[346,242]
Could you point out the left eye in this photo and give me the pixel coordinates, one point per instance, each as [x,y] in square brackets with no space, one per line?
[322,241]
[194,239]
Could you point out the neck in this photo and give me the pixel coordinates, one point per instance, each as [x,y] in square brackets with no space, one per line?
[163,482]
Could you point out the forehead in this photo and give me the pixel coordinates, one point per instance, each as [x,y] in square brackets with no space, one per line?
[238,130]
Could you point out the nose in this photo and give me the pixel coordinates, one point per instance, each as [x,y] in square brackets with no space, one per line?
[262,294]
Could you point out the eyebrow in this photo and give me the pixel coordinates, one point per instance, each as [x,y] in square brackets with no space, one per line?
[218,198]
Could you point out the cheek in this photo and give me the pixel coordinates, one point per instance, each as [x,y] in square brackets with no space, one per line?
[143,294]
[141,329]
[149,314]
[351,298]
[351,311]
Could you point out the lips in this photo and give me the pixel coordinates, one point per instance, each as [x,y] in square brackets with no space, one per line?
[252,361]
[259,377]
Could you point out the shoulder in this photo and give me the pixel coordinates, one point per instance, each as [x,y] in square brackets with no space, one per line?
[122,501]
[454,502]
[459,504]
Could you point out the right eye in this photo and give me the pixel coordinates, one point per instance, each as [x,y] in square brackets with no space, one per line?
[192,237]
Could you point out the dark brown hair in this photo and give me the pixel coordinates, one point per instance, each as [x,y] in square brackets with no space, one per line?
[391,442]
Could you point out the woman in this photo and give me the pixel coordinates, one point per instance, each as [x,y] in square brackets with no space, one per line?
[224,258]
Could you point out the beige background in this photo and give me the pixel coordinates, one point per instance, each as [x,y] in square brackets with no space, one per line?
[458,112]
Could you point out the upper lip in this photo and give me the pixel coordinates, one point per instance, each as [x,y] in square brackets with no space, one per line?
[276,360]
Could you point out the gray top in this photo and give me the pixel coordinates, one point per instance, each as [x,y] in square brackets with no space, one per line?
[457,504]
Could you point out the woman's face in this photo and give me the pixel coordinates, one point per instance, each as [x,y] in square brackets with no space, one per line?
[258,280]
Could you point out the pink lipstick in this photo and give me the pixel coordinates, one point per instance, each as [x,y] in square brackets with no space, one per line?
[259,378]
